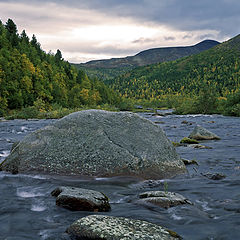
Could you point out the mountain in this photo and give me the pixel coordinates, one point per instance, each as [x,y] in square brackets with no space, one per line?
[217,69]
[151,56]
[108,69]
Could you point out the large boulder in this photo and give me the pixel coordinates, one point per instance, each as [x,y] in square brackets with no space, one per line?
[97,143]
[118,228]
[201,133]
[80,199]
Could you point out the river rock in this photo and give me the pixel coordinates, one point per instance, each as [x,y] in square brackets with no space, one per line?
[97,143]
[214,176]
[163,199]
[118,228]
[200,133]
[79,199]
[199,146]
[189,162]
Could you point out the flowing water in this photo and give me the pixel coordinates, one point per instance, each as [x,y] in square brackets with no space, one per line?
[28,211]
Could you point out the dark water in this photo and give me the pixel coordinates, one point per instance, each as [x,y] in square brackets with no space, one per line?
[28,211]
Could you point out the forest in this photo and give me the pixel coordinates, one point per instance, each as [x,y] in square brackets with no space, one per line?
[208,82]
[35,81]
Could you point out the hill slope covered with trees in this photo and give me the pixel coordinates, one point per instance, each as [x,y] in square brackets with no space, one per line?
[110,68]
[31,77]
[205,78]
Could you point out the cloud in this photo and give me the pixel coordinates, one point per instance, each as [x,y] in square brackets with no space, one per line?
[184,15]
[110,28]
[169,38]
[144,40]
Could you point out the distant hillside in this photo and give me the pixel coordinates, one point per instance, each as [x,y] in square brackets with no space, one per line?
[110,68]
[217,68]
[150,56]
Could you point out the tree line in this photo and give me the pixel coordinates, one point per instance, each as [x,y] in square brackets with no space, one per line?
[31,77]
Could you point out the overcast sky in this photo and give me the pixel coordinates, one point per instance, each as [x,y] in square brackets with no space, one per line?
[96,29]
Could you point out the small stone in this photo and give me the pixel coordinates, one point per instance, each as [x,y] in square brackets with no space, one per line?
[200,133]
[214,176]
[159,122]
[189,162]
[210,121]
[163,199]
[79,199]
[186,122]
[198,146]
[118,228]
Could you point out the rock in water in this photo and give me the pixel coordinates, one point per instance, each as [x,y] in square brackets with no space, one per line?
[97,143]
[200,133]
[163,199]
[118,228]
[79,199]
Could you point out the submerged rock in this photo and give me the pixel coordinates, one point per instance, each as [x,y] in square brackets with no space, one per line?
[163,199]
[97,143]
[79,199]
[214,176]
[200,133]
[118,228]
[186,122]
[147,184]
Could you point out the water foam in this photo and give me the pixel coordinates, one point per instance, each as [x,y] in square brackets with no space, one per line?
[4,153]
[28,193]
[37,208]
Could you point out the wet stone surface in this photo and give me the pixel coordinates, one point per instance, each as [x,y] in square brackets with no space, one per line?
[163,199]
[201,133]
[79,199]
[118,228]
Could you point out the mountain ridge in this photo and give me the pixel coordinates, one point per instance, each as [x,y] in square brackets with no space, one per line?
[150,56]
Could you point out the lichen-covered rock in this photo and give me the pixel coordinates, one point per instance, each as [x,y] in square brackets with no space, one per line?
[79,199]
[189,141]
[118,228]
[97,143]
[163,199]
[201,133]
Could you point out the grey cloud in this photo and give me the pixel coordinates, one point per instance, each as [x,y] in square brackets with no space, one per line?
[188,15]
[206,36]
[144,40]
[170,38]
[187,36]
[220,15]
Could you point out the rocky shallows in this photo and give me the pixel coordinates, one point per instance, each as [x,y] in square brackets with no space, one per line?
[79,199]
[118,228]
[97,143]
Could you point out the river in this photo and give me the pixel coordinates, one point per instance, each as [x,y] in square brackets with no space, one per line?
[28,211]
